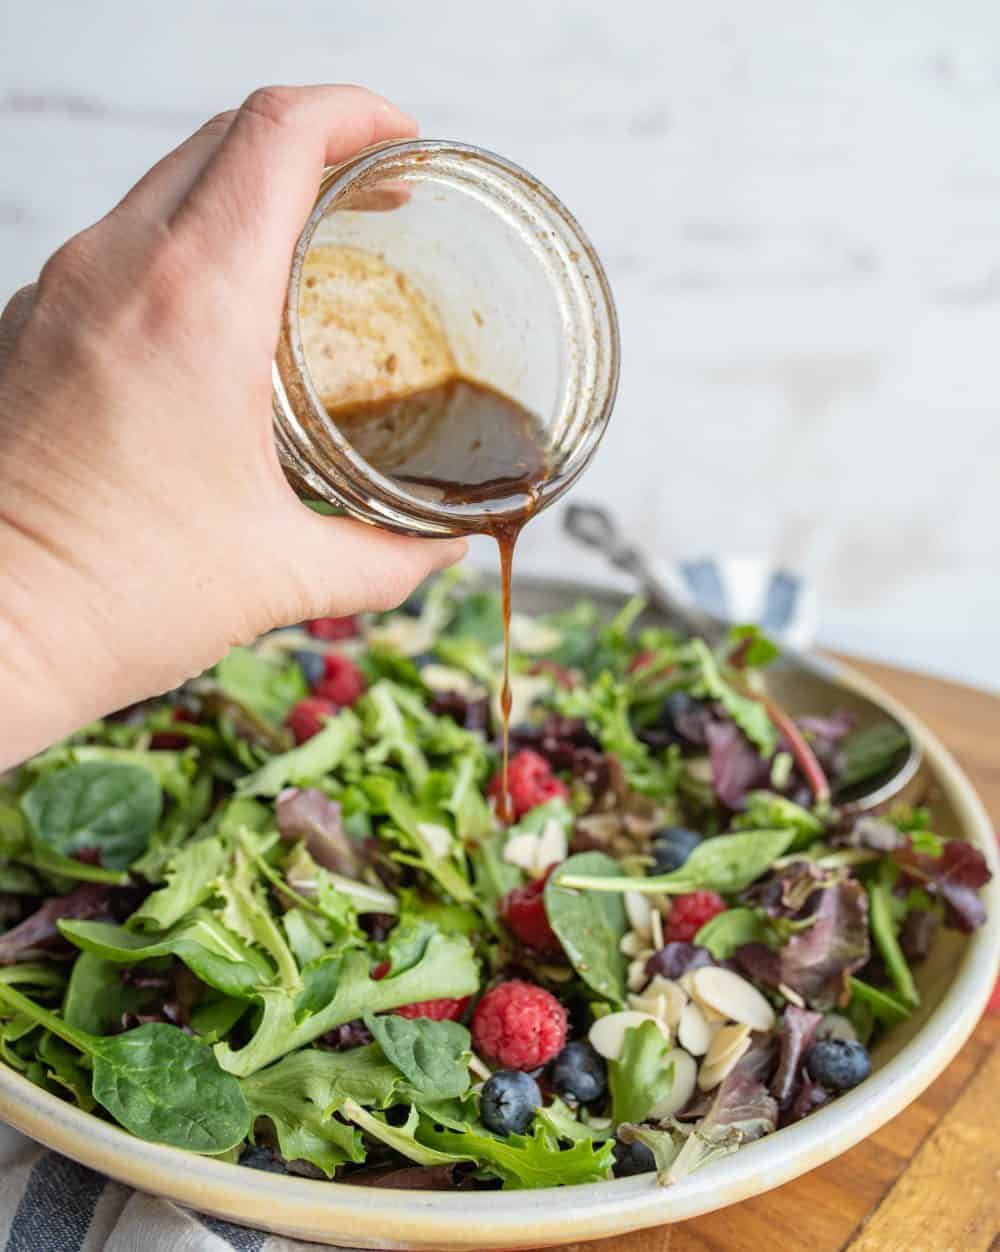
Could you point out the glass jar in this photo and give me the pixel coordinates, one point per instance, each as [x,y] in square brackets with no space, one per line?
[516,287]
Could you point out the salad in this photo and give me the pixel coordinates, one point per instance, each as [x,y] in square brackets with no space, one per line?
[272,918]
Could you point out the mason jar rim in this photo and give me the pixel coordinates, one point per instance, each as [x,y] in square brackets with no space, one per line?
[355,483]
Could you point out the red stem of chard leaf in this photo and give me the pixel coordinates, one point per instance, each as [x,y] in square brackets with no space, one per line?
[805,757]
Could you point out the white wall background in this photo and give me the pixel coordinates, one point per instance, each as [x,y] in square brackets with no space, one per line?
[798,205]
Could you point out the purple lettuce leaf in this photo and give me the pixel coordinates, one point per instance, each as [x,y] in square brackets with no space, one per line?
[675,959]
[810,1096]
[795,1037]
[737,767]
[817,962]
[310,815]
[954,877]
[743,1110]
[39,929]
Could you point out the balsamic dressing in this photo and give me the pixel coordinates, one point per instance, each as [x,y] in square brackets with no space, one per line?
[461,442]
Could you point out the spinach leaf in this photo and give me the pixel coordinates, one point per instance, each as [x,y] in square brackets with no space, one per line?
[156,1081]
[590,927]
[213,953]
[640,1078]
[55,865]
[265,686]
[96,997]
[729,930]
[883,929]
[725,863]
[307,763]
[434,1056]
[446,969]
[63,1067]
[870,751]
[110,806]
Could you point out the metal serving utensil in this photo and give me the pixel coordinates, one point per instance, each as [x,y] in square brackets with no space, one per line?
[804,683]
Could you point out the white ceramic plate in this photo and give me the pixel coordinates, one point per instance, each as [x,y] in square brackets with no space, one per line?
[955,985]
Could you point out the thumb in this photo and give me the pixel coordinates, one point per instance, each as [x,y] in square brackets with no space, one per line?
[334,567]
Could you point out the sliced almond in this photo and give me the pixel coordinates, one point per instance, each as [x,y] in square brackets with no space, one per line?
[791,996]
[520,851]
[694,1034]
[672,995]
[655,926]
[638,910]
[632,944]
[552,846]
[637,976]
[709,1076]
[710,1014]
[685,1075]
[728,993]
[607,1035]
[728,1039]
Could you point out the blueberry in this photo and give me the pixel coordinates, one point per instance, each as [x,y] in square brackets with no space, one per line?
[580,1073]
[311,665]
[632,1158]
[838,1064]
[672,846]
[508,1102]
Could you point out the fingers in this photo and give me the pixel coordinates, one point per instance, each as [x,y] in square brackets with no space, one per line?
[13,318]
[161,191]
[256,191]
[335,566]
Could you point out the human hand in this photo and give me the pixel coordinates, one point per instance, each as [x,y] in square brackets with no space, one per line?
[145,522]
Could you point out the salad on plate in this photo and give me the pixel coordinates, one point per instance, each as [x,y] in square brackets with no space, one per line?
[272,917]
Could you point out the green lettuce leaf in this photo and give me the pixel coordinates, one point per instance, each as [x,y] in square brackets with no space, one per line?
[268,687]
[307,763]
[446,970]
[641,1077]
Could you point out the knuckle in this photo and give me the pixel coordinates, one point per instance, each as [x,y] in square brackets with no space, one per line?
[70,269]
[273,104]
[219,125]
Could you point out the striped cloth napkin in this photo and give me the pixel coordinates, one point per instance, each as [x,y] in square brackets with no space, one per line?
[49,1203]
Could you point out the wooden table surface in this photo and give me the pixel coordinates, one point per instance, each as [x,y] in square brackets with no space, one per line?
[929,1181]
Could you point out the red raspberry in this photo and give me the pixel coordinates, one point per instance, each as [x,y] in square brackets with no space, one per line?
[163,740]
[341,682]
[531,782]
[306,717]
[519,1025]
[689,913]
[523,911]
[436,1010]
[331,628]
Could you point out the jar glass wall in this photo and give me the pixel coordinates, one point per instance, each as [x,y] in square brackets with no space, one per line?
[422,258]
